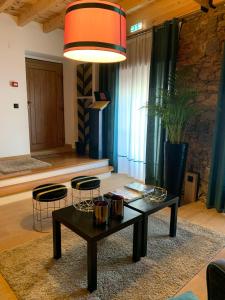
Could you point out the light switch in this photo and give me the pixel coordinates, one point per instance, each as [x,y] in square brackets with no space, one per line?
[16,105]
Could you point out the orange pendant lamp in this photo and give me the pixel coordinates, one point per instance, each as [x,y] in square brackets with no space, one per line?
[95,31]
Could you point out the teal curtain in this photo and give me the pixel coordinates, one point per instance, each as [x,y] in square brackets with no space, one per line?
[216,194]
[109,82]
[163,64]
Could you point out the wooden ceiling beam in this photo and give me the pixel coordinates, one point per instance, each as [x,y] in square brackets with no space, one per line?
[161,10]
[33,10]
[133,5]
[54,22]
[204,3]
[4,4]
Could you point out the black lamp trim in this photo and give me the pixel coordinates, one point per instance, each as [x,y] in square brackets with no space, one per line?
[96,5]
[95,44]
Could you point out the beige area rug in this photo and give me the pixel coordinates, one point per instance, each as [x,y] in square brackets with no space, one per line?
[21,164]
[169,265]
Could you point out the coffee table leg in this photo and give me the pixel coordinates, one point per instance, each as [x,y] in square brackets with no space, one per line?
[137,241]
[56,239]
[92,265]
[144,240]
[173,220]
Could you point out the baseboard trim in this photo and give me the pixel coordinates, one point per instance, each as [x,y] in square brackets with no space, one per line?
[65,148]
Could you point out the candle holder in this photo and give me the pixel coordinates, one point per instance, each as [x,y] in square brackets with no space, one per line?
[101,212]
[117,206]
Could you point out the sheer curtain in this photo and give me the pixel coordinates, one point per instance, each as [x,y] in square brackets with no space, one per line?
[133,95]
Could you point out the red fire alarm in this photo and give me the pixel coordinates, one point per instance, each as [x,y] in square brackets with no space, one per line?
[14,83]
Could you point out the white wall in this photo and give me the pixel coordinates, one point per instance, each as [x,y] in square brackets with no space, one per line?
[15,43]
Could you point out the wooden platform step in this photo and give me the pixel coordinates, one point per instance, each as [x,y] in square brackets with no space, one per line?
[54,170]
[18,186]
[29,185]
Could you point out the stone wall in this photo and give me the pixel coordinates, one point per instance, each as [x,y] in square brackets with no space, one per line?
[201,48]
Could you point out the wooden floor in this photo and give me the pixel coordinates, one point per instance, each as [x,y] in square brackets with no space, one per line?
[16,229]
[57,160]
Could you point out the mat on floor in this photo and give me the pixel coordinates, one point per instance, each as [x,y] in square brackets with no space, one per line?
[21,164]
[170,263]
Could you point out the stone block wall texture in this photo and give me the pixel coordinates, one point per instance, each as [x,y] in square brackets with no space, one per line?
[201,46]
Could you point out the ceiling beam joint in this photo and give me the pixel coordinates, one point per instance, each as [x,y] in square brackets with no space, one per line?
[33,10]
[4,4]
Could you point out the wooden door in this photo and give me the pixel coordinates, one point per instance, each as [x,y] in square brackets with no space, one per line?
[45,104]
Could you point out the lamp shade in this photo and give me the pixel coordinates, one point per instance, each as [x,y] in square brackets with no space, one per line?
[95,31]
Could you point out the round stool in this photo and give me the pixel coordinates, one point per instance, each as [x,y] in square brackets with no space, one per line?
[84,190]
[47,198]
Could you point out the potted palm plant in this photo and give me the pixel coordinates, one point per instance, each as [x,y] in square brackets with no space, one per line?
[174,106]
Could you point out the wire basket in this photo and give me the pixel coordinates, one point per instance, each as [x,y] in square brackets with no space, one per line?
[157,194]
[84,200]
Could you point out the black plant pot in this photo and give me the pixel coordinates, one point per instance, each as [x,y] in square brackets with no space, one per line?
[175,157]
[80,148]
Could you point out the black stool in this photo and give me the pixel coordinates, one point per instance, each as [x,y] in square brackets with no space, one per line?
[46,198]
[84,190]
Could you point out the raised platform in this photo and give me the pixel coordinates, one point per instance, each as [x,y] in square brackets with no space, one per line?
[64,166]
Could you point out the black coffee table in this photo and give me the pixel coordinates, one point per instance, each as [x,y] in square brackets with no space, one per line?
[147,208]
[82,224]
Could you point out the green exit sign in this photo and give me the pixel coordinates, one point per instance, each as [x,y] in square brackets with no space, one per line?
[136,27]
